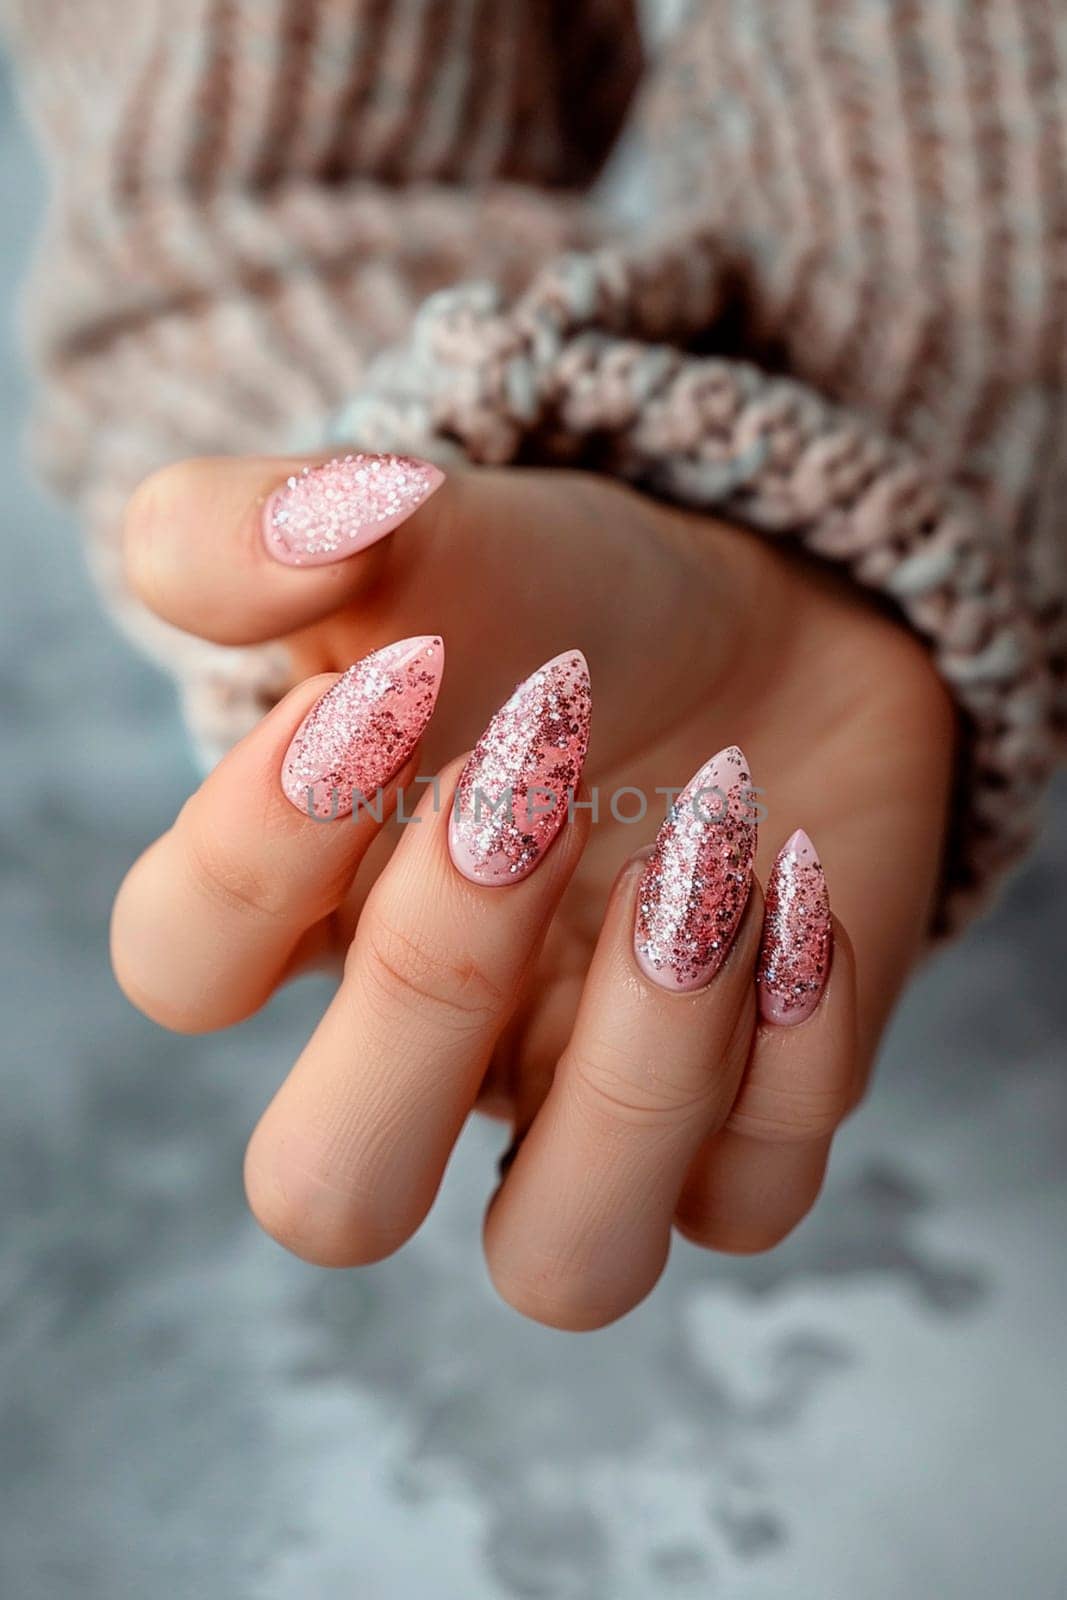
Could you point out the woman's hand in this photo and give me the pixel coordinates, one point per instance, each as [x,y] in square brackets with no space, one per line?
[637,1104]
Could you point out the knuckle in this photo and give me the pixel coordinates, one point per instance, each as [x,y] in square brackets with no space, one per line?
[405,969]
[358,1246]
[315,1223]
[719,1219]
[557,1300]
[232,880]
[126,970]
[616,1087]
[135,934]
[176,1017]
[788,1114]
[732,1238]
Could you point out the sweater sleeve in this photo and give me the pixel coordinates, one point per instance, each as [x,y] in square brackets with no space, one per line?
[845,327]
[841,318]
[248,198]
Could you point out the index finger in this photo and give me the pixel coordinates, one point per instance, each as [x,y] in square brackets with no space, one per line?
[208,919]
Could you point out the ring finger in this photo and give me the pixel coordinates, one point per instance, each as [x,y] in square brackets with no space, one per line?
[580,1229]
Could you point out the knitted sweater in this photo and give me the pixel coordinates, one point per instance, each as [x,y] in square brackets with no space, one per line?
[840,318]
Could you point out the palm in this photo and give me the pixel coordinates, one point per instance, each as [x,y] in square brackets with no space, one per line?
[697,636]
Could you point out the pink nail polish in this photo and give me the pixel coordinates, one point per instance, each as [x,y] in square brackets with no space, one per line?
[361,732]
[794,958]
[514,793]
[695,886]
[326,513]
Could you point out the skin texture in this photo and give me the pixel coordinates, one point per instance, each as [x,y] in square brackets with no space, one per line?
[698,636]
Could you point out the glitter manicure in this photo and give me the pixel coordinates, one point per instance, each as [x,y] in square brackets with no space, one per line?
[794,958]
[361,732]
[514,793]
[695,886]
[326,513]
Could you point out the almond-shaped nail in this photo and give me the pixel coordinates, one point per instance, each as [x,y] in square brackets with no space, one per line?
[325,513]
[694,889]
[515,791]
[794,958]
[363,729]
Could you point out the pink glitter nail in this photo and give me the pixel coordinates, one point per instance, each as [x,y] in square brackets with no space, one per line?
[361,732]
[794,958]
[695,886]
[514,792]
[326,513]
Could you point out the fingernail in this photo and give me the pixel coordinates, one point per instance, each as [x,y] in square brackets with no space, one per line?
[514,793]
[361,732]
[794,958]
[326,513]
[695,886]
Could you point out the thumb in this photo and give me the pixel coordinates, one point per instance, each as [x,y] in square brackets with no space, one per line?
[246,550]
[512,565]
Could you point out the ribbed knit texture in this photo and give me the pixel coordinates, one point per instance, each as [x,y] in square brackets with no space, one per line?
[844,320]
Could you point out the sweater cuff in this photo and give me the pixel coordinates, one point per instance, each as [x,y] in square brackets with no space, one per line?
[588,367]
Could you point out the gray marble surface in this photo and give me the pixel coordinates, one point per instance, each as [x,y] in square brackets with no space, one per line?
[874,1412]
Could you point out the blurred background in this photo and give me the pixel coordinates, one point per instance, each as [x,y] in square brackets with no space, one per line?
[876,1410]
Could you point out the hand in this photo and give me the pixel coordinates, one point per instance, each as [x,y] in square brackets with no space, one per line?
[698,636]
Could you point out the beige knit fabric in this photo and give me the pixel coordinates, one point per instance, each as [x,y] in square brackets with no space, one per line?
[842,319]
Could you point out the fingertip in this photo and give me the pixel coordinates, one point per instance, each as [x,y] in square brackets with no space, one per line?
[203,545]
[140,943]
[192,552]
[151,512]
[745,1196]
[325,1223]
[567,1300]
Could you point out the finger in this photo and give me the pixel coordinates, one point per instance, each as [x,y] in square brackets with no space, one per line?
[754,1181]
[244,550]
[581,1227]
[348,1157]
[209,920]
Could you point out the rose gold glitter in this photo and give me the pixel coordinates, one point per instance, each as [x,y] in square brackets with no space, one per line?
[695,886]
[528,762]
[794,957]
[327,512]
[362,731]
